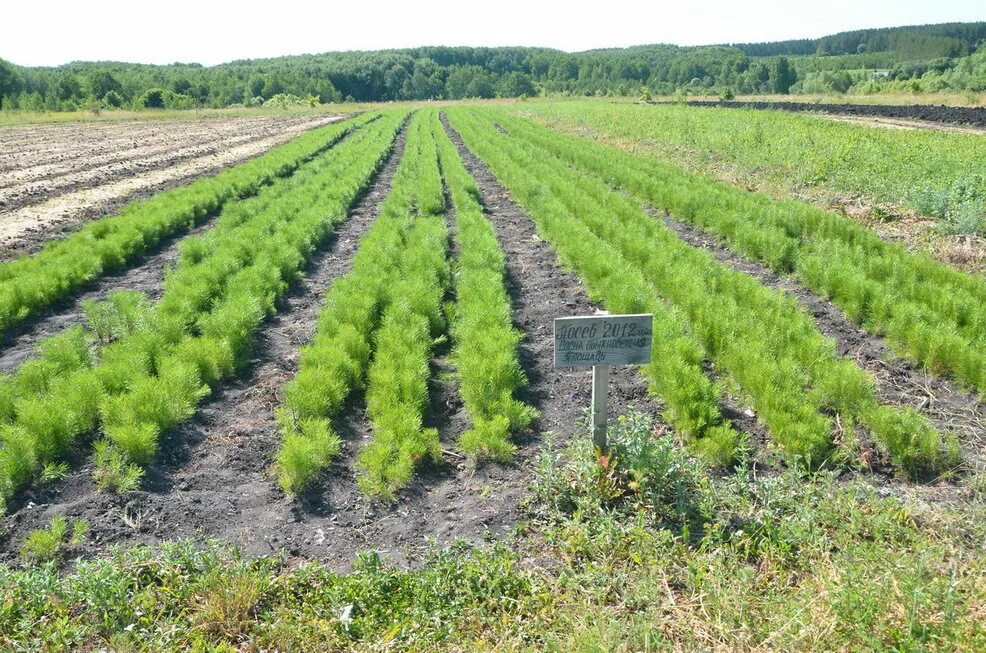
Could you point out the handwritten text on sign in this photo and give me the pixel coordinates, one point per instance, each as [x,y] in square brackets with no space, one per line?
[603,340]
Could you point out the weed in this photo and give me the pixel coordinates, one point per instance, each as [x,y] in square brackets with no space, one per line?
[113,471]
[47,544]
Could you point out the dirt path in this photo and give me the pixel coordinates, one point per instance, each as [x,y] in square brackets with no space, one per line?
[898,382]
[902,124]
[25,230]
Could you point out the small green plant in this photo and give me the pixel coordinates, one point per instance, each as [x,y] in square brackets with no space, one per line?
[47,544]
[225,606]
[113,472]
[968,219]
[120,315]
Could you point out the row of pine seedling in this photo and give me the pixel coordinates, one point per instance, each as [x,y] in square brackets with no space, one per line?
[141,368]
[379,325]
[927,311]
[755,338]
[162,361]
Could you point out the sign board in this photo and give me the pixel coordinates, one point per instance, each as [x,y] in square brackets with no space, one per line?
[598,341]
[593,340]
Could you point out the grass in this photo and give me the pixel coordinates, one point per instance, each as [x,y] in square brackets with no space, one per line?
[19,117]
[793,150]
[644,551]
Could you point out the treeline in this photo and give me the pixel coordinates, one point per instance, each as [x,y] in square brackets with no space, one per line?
[911,42]
[415,74]
[463,72]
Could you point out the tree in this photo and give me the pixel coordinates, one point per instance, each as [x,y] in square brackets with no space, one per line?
[782,76]
[100,82]
[181,86]
[68,87]
[153,98]
[516,84]
[426,83]
[113,99]
[10,82]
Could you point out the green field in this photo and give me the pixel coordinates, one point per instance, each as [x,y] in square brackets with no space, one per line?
[327,420]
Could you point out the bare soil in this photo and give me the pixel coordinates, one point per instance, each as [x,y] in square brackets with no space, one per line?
[973,116]
[903,124]
[35,211]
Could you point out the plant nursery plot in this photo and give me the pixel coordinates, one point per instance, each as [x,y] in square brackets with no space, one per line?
[924,188]
[310,402]
[213,474]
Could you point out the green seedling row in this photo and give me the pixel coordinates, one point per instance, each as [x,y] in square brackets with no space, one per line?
[375,331]
[483,332]
[31,283]
[929,312]
[937,172]
[379,325]
[762,339]
[198,334]
[676,375]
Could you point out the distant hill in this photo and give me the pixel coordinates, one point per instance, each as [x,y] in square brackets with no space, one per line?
[910,42]
[914,58]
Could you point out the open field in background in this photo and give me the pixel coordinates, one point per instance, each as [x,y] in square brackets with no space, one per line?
[15,117]
[923,187]
[334,360]
[970,99]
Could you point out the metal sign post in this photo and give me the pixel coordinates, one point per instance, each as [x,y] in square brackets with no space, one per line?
[599,341]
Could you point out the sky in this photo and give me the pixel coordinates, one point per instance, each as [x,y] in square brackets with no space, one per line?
[211,32]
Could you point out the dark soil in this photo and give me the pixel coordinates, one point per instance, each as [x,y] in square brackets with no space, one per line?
[899,382]
[973,116]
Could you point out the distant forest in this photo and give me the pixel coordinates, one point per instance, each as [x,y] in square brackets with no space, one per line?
[926,58]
